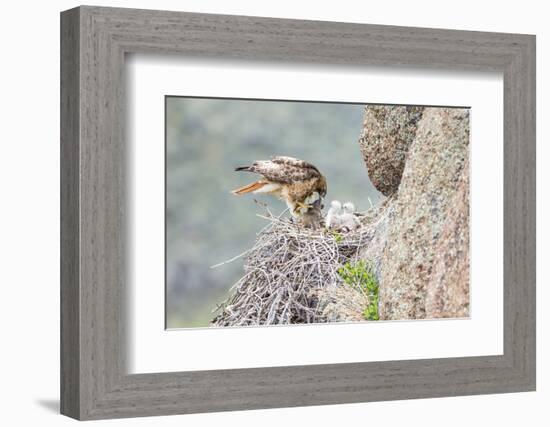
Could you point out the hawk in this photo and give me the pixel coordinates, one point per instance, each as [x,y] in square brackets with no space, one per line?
[298,183]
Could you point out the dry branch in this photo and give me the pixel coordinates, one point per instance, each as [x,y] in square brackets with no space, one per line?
[286,269]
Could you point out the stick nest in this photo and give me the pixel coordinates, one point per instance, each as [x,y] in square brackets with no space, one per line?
[287,269]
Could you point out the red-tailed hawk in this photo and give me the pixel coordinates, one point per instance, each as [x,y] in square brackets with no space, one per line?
[298,183]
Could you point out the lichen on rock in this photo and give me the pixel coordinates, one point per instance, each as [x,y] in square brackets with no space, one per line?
[419,214]
[448,289]
[340,304]
[387,134]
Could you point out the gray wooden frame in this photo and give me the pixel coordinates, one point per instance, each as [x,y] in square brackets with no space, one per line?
[94,41]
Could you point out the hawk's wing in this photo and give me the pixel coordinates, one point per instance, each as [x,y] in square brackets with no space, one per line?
[283,169]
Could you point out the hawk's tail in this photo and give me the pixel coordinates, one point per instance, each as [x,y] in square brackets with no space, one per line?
[250,188]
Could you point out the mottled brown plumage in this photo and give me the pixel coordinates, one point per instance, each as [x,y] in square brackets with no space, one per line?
[298,183]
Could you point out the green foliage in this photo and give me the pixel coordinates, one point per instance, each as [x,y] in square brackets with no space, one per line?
[371,311]
[338,238]
[360,276]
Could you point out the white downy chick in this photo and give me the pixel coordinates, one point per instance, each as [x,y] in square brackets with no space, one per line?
[349,208]
[348,220]
[332,219]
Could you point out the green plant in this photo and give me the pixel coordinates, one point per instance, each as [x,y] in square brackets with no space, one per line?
[360,276]
[337,236]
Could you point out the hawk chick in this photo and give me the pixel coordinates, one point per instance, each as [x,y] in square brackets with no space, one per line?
[332,219]
[348,220]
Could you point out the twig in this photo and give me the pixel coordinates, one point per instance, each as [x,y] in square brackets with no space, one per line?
[286,268]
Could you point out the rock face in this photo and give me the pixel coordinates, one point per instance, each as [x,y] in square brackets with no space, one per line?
[448,288]
[340,304]
[385,140]
[423,252]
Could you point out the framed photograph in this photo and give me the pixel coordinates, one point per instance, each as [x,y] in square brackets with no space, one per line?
[260,213]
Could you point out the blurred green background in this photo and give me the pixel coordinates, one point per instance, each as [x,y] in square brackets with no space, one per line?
[205,224]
